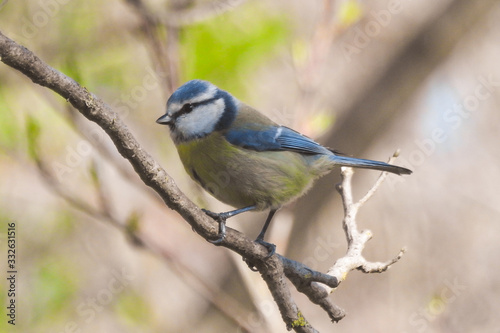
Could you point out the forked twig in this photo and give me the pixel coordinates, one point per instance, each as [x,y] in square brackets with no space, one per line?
[356,240]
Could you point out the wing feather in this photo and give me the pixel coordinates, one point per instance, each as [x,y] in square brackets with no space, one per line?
[275,138]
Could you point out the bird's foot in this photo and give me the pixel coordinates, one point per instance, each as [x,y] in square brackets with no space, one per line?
[221,219]
[270,247]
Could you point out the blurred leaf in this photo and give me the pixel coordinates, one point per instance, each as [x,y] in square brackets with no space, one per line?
[94,175]
[54,289]
[321,122]
[436,306]
[228,48]
[4,323]
[94,57]
[81,21]
[65,223]
[133,222]
[9,131]
[300,52]
[134,309]
[32,134]
[132,226]
[350,12]
[71,67]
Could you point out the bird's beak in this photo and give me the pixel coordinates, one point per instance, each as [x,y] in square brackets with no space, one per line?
[164,120]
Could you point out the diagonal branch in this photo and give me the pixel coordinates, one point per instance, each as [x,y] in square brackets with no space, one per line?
[97,111]
[219,299]
[94,109]
[274,270]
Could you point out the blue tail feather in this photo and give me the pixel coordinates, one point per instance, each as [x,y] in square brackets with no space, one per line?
[369,164]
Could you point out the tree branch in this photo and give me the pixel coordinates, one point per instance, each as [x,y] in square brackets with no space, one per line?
[274,270]
[103,213]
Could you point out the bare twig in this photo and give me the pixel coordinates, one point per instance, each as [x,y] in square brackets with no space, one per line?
[379,182]
[150,26]
[307,282]
[356,240]
[317,286]
[100,214]
[202,12]
[166,55]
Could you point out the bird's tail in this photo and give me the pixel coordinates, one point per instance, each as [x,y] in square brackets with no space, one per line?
[369,164]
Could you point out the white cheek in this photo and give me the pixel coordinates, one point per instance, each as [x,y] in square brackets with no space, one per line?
[202,120]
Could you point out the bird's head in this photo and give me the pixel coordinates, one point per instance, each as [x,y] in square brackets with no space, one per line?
[196,109]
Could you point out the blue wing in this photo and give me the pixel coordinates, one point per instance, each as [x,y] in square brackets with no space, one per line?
[274,138]
[280,138]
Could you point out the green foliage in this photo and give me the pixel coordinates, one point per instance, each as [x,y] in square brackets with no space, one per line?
[54,289]
[96,56]
[4,325]
[134,310]
[9,130]
[32,134]
[64,225]
[94,174]
[226,49]
[350,12]
[133,222]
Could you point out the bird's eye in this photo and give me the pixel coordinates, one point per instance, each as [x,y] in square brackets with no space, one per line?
[186,108]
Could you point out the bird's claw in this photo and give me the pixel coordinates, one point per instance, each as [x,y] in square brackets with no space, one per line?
[217,241]
[269,246]
[221,219]
[213,215]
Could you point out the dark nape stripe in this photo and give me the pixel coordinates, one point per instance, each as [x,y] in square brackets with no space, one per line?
[230,111]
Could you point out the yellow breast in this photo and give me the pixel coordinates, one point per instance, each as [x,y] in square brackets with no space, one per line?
[242,177]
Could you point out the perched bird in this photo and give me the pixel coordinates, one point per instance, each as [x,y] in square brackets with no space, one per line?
[242,157]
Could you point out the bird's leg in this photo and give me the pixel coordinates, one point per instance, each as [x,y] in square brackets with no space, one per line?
[260,240]
[260,237]
[221,219]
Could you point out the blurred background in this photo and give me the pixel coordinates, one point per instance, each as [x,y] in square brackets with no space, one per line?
[97,251]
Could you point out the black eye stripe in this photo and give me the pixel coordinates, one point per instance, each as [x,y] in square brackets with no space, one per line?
[188,107]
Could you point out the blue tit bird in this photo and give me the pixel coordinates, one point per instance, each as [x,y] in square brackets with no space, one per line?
[242,157]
